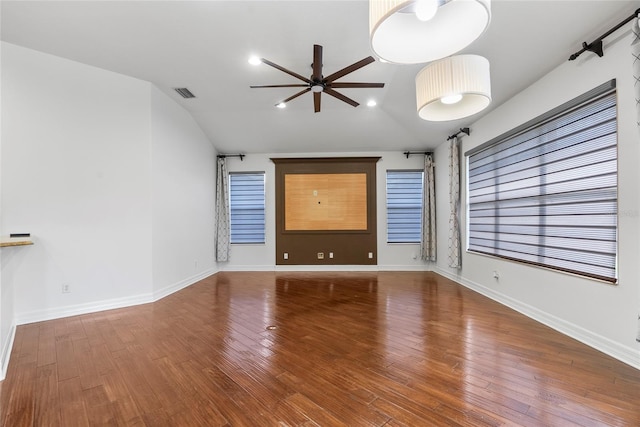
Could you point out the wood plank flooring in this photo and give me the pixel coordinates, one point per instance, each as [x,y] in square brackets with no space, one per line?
[313,349]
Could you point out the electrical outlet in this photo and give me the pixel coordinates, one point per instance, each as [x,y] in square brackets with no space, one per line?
[370,255]
[285,255]
[320,255]
[66,288]
[330,254]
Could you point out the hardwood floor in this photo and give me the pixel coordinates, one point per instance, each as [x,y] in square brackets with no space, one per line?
[306,349]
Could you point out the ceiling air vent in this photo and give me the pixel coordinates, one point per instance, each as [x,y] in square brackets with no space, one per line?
[184,92]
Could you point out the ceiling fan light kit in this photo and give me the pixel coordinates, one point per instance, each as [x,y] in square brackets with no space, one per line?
[399,35]
[453,88]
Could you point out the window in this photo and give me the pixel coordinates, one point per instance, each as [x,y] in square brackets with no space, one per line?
[546,193]
[404,206]
[247,207]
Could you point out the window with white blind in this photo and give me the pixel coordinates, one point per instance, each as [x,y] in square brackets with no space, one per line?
[546,192]
[404,206]
[246,194]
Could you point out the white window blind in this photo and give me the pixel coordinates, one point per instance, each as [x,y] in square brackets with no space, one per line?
[546,193]
[404,206]
[246,195]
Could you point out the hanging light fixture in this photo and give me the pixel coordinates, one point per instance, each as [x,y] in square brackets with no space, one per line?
[416,31]
[453,88]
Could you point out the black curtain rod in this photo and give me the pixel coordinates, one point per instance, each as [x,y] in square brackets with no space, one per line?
[409,153]
[596,45]
[222,156]
[462,130]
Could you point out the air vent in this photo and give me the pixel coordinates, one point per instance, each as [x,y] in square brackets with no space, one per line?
[184,92]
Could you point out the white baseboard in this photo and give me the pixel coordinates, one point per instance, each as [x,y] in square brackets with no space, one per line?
[6,352]
[628,355]
[327,268]
[168,290]
[110,304]
[78,309]
[248,268]
[413,267]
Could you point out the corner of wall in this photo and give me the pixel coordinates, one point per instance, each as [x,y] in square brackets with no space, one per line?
[6,352]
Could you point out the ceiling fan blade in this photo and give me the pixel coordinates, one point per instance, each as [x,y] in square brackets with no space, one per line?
[302,92]
[350,69]
[317,63]
[284,70]
[338,85]
[340,96]
[316,101]
[261,86]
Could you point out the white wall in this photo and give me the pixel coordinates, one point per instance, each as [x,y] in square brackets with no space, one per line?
[76,174]
[115,182]
[262,257]
[183,164]
[596,313]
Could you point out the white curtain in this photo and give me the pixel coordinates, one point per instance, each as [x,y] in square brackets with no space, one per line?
[428,241]
[222,212]
[455,254]
[635,52]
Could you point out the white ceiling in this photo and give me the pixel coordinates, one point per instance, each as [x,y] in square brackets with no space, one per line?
[204,46]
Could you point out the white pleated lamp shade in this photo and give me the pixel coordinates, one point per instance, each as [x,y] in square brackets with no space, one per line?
[465,77]
[398,36]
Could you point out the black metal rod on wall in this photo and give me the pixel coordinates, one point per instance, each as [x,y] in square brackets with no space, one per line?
[410,153]
[596,45]
[462,130]
[222,156]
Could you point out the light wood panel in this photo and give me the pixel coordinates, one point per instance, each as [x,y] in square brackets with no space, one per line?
[348,349]
[325,201]
[6,241]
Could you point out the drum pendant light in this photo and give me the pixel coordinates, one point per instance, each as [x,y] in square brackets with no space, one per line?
[417,31]
[453,88]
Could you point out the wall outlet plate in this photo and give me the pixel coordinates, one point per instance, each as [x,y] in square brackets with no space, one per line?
[320,255]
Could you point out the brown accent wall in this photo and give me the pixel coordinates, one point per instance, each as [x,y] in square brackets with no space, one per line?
[350,246]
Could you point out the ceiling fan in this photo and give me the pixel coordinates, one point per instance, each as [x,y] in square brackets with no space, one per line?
[318,84]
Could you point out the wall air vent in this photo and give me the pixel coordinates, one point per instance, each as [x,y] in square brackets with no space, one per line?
[184,92]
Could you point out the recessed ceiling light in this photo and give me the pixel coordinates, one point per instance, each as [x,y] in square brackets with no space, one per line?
[281,105]
[372,103]
[255,60]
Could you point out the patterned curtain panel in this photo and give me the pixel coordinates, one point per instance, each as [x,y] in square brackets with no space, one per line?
[428,240]
[455,254]
[635,52]
[222,212]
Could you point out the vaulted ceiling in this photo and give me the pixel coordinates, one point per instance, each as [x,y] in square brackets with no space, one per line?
[204,46]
